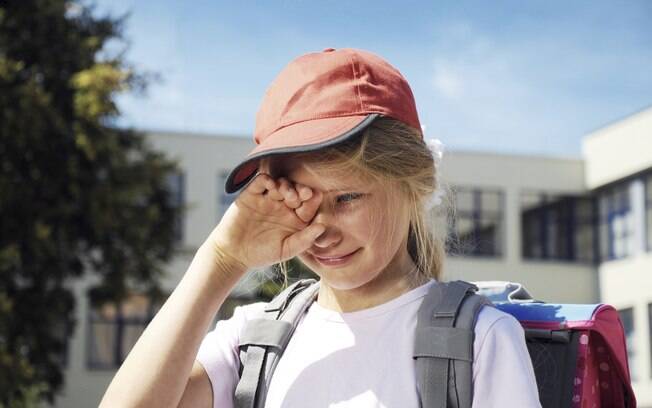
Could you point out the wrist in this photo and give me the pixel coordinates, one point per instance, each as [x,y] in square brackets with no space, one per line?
[224,260]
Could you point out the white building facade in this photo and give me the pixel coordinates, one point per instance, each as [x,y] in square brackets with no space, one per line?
[618,161]
[572,230]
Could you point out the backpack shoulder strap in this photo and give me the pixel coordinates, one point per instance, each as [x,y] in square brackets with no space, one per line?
[443,347]
[264,339]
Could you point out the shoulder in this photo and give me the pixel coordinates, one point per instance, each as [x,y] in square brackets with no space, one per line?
[218,352]
[249,311]
[226,332]
[243,314]
[495,323]
[503,374]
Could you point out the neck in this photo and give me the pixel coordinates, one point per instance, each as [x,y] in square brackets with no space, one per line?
[389,284]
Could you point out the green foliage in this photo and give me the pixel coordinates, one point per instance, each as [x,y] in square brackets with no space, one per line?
[78,195]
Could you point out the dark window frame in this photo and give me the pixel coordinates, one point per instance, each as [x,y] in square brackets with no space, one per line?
[223,199]
[616,198]
[120,323]
[631,350]
[565,208]
[477,215]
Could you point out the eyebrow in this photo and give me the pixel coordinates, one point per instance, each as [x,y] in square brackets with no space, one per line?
[342,189]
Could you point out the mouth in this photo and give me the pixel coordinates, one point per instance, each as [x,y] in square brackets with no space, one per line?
[336,260]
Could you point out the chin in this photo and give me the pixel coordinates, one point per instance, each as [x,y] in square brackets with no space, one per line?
[342,284]
[347,278]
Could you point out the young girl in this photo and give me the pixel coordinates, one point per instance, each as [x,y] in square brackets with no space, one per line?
[342,179]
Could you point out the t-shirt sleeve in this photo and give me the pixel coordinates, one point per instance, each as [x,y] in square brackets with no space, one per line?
[218,354]
[503,375]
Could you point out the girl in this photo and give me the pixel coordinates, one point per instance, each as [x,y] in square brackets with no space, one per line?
[342,179]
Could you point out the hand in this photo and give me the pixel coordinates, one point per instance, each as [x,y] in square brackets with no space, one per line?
[269,222]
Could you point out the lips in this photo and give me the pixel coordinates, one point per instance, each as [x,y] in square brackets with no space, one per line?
[336,261]
[331,257]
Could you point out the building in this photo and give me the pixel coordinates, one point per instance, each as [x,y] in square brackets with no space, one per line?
[618,161]
[572,230]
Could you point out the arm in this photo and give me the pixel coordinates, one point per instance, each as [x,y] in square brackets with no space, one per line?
[158,368]
[198,392]
[269,222]
[503,375]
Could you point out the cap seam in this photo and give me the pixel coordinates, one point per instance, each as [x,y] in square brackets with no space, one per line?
[357,80]
[332,129]
[326,116]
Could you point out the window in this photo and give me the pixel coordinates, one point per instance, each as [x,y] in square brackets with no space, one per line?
[616,221]
[477,226]
[176,186]
[113,329]
[224,200]
[557,227]
[627,318]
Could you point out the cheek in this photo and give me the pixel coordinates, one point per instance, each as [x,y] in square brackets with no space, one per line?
[359,222]
[380,233]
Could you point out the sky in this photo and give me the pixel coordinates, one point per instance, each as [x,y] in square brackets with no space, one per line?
[510,77]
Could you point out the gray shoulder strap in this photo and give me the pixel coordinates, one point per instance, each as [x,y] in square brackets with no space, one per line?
[264,339]
[443,347]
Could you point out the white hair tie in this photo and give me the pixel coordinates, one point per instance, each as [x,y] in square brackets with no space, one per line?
[437,150]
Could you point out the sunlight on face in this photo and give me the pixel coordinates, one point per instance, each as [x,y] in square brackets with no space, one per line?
[361,219]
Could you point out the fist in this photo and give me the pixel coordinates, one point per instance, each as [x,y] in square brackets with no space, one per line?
[269,222]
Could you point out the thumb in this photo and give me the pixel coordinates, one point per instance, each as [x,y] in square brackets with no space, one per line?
[302,240]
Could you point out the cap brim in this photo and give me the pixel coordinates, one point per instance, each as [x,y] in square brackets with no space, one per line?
[300,137]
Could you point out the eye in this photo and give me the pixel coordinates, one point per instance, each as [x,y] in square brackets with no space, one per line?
[347,198]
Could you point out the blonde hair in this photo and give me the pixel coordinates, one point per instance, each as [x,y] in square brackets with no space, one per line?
[392,154]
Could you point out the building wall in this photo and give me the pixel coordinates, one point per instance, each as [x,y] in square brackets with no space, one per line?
[627,283]
[620,156]
[618,150]
[514,175]
[203,158]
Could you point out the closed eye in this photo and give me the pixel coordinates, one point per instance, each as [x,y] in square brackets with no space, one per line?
[348,197]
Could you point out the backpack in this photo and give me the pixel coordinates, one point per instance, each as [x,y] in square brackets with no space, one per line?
[443,347]
[578,351]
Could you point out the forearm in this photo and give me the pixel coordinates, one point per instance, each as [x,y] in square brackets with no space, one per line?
[157,369]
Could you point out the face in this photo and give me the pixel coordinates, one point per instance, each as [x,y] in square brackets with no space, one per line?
[366,228]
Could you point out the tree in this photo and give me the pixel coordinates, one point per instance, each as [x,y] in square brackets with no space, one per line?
[78,194]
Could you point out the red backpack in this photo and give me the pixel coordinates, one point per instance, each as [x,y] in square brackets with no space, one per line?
[578,350]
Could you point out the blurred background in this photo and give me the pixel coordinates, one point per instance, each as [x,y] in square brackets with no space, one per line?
[119,121]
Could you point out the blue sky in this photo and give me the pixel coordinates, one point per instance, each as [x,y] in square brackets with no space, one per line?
[502,76]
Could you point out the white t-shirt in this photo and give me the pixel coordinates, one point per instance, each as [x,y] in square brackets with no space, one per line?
[363,359]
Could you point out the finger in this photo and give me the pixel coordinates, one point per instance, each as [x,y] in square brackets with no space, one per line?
[291,196]
[259,184]
[309,207]
[272,190]
[304,191]
[301,240]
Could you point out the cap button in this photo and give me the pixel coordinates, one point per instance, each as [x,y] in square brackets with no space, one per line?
[328,50]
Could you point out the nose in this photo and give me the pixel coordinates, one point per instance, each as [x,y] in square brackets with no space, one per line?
[328,238]
[332,234]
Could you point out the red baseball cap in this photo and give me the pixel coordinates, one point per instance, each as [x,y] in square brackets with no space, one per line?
[323,98]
